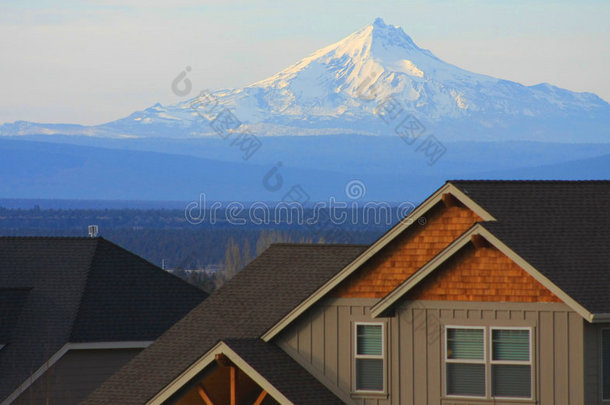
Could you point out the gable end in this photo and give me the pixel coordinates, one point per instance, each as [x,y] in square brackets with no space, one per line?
[481,274]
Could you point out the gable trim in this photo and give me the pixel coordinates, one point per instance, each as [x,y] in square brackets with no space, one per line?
[61,352]
[384,240]
[478,229]
[204,361]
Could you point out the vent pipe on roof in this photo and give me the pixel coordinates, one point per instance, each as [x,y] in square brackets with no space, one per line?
[93,231]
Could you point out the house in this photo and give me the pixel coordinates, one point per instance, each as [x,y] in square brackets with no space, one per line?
[489,292]
[73,311]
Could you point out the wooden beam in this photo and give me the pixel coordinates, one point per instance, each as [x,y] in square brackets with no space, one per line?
[204,395]
[449,200]
[479,242]
[260,398]
[223,360]
[233,372]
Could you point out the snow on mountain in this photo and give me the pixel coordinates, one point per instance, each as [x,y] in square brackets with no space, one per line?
[338,89]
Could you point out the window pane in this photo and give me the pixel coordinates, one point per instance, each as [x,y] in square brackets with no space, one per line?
[606,363]
[466,379]
[369,374]
[369,340]
[465,344]
[507,344]
[509,380]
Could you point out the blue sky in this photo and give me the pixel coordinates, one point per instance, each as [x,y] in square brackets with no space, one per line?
[91,62]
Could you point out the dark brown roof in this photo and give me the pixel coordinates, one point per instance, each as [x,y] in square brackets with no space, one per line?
[245,307]
[562,228]
[55,291]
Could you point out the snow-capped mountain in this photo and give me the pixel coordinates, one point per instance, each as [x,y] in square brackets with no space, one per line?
[345,87]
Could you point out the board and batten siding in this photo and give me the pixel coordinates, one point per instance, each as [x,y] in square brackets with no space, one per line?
[322,340]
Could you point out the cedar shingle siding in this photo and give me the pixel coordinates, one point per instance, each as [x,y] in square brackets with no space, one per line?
[399,260]
[482,274]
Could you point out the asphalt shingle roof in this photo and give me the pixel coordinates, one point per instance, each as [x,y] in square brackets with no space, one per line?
[11,303]
[55,291]
[562,228]
[245,307]
[283,372]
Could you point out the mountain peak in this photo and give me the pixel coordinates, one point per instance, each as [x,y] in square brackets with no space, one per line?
[389,35]
[338,89]
[379,22]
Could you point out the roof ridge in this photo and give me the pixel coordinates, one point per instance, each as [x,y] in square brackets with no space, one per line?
[143,260]
[84,289]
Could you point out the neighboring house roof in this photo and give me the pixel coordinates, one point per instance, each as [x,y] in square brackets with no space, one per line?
[245,307]
[74,290]
[11,303]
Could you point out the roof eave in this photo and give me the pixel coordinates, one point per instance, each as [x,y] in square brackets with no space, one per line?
[600,318]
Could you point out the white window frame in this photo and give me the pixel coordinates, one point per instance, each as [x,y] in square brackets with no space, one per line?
[466,361]
[601,363]
[357,356]
[511,362]
[488,360]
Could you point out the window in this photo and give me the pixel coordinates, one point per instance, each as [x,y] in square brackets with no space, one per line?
[465,358]
[606,364]
[508,364]
[369,357]
[511,368]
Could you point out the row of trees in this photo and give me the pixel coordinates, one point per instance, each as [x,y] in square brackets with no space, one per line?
[239,255]
[216,252]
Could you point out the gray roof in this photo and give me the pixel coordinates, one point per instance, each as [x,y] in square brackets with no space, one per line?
[562,228]
[245,307]
[55,291]
[283,372]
